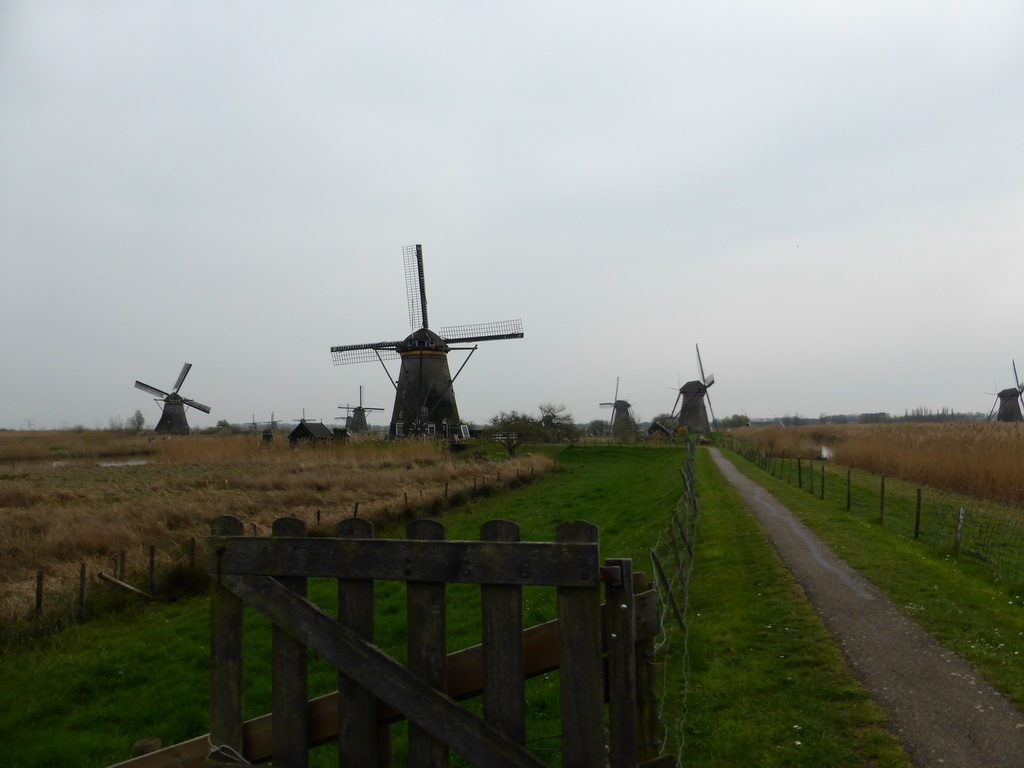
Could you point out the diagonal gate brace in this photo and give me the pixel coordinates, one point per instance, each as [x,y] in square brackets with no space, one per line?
[388,680]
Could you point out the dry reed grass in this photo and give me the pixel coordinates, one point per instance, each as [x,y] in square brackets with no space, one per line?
[976,458]
[82,507]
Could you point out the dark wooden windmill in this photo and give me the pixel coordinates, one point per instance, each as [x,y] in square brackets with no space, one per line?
[694,394]
[355,419]
[424,398]
[1009,401]
[172,420]
[622,413]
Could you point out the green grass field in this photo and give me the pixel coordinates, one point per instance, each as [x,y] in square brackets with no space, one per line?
[765,685]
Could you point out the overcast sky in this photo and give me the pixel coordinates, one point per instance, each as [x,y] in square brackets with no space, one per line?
[827,197]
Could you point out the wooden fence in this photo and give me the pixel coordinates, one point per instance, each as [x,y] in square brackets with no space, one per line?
[604,653]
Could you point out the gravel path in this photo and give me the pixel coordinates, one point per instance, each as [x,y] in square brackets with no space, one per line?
[941,710]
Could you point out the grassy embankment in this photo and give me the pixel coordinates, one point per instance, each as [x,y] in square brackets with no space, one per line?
[767,686]
[956,598]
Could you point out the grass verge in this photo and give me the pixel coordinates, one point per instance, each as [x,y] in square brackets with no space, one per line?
[83,696]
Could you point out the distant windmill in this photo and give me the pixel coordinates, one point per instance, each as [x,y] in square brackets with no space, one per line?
[355,419]
[173,418]
[424,398]
[621,409]
[693,414]
[1009,401]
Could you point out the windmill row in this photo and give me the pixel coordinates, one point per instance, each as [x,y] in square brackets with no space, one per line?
[425,404]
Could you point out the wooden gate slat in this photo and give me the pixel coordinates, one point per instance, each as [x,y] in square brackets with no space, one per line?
[428,654]
[581,697]
[357,715]
[226,614]
[289,680]
[388,680]
[501,609]
[621,640]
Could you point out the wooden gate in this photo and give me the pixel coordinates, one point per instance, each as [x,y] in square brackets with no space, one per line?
[604,652]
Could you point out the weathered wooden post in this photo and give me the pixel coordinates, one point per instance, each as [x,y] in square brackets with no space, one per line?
[39,593]
[226,612]
[81,592]
[289,675]
[428,655]
[810,476]
[881,503]
[622,680]
[581,678]
[799,473]
[961,518]
[357,710]
[504,697]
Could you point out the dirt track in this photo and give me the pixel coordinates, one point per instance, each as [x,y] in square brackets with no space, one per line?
[941,710]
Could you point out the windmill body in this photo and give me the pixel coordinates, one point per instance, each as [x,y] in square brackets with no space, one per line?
[1009,401]
[1009,405]
[693,413]
[425,403]
[621,420]
[172,420]
[355,420]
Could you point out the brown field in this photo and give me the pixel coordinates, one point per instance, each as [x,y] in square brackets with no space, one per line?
[976,458]
[68,498]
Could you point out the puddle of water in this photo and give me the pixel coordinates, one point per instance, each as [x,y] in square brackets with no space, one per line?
[826,452]
[125,463]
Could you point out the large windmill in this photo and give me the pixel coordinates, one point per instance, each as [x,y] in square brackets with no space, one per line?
[693,414]
[355,419]
[424,398]
[622,411]
[173,417]
[1009,401]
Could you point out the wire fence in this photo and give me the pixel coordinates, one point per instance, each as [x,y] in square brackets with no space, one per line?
[673,558]
[989,532]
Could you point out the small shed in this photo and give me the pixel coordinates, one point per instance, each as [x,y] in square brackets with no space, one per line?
[658,432]
[315,432]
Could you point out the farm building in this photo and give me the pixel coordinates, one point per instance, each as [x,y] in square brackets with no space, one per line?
[310,432]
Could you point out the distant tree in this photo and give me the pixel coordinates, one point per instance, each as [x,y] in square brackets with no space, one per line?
[557,422]
[511,429]
[137,422]
[115,424]
[598,428]
[736,420]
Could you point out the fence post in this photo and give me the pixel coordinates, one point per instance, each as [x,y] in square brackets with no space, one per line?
[501,608]
[822,484]
[428,655]
[917,515]
[847,490]
[810,476]
[622,679]
[359,736]
[799,473]
[226,610]
[960,519]
[289,680]
[81,592]
[881,503]
[39,594]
